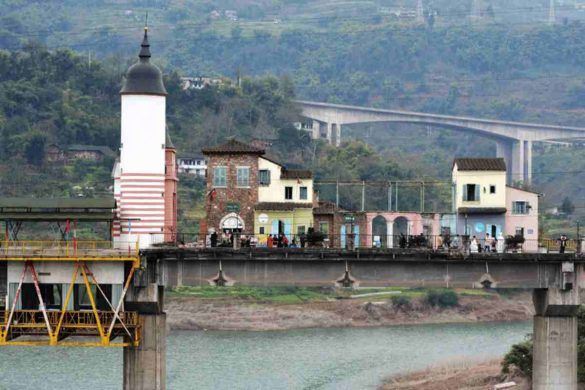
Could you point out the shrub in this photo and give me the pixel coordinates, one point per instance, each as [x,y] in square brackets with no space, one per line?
[442,298]
[519,356]
[401,302]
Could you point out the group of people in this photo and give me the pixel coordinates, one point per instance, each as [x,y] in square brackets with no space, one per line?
[490,244]
[282,241]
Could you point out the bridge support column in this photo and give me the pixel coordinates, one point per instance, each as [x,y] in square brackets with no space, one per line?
[145,365]
[554,362]
[329,132]
[316,129]
[518,157]
[338,134]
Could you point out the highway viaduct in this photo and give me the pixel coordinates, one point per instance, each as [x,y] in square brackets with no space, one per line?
[556,280]
[513,139]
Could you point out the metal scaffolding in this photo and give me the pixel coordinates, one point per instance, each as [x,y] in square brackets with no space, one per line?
[112,328]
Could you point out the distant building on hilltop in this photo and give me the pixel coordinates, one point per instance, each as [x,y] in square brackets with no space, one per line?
[56,153]
[199,82]
[195,165]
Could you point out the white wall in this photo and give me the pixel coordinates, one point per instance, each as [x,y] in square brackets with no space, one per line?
[143,134]
[275,191]
[59,272]
[484,179]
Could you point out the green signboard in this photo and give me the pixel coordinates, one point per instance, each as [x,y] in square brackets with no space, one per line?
[232,207]
[349,218]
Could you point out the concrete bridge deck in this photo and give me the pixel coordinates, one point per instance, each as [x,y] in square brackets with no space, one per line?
[366,268]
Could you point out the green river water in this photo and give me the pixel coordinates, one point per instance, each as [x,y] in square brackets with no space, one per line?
[297,359]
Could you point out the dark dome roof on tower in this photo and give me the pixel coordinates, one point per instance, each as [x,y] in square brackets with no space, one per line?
[143,77]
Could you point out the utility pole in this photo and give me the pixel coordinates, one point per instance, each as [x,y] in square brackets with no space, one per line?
[420,12]
[551,13]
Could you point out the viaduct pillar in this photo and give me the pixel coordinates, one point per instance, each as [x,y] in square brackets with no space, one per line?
[554,365]
[518,157]
[145,365]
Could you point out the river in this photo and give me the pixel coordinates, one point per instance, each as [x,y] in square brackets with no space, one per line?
[346,358]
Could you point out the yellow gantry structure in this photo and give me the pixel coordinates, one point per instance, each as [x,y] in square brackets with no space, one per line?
[85,328]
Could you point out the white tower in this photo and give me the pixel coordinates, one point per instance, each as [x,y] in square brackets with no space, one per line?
[140,176]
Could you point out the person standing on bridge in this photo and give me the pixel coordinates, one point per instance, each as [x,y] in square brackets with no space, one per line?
[562,243]
[488,243]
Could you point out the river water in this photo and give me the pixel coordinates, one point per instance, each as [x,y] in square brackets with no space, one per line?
[297,359]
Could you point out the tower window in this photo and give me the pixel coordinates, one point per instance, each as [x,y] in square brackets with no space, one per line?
[492,189]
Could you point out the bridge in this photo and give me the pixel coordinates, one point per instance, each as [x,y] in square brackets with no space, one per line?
[513,139]
[138,325]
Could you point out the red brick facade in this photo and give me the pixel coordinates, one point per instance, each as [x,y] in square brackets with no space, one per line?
[221,201]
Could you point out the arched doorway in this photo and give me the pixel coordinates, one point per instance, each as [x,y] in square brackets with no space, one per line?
[379,231]
[231,223]
[400,229]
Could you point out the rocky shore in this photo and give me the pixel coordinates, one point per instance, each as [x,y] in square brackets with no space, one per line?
[462,376]
[194,313]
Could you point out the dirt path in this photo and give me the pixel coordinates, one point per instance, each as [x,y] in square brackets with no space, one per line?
[192,313]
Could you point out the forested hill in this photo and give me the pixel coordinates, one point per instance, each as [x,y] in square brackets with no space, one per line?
[58,98]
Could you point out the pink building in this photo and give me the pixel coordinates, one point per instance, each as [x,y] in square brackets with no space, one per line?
[522,216]
[384,228]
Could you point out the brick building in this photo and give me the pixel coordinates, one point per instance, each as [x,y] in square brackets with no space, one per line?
[232,187]
[251,193]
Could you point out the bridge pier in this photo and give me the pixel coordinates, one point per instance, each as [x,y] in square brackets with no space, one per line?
[554,365]
[518,157]
[145,365]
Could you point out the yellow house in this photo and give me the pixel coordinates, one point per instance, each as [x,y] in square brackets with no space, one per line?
[285,201]
[480,196]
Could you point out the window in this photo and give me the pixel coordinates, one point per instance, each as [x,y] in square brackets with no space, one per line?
[324,227]
[243,177]
[83,297]
[492,189]
[288,193]
[520,207]
[470,193]
[261,229]
[264,177]
[301,230]
[520,231]
[303,193]
[220,177]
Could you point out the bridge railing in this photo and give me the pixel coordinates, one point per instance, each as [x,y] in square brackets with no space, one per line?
[74,249]
[462,243]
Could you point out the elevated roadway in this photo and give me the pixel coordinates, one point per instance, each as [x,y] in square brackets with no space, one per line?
[513,139]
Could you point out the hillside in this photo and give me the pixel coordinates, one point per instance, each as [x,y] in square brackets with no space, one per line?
[507,64]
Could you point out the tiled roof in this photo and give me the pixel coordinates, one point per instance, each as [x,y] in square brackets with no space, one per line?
[296,174]
[233,146]
[281,206]
[325,208]
[480,164]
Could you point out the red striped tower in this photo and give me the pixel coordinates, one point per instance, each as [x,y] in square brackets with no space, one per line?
[141,176]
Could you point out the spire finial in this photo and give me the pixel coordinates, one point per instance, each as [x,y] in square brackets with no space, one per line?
[145,46]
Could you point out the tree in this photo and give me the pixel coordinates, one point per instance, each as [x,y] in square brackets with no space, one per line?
[567,206]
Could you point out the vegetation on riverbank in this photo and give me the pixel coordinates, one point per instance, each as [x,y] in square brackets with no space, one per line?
[260,308]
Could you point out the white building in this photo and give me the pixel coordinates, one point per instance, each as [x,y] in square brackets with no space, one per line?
[195,165]
[140,176]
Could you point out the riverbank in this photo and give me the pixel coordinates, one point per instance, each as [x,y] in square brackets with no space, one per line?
[463,376]
[194,310]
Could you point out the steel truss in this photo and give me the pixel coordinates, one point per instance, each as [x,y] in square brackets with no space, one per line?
[47,327]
